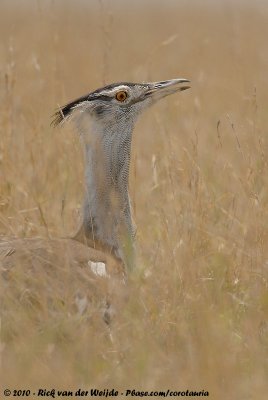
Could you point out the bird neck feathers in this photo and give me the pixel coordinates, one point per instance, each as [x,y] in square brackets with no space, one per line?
[107,212]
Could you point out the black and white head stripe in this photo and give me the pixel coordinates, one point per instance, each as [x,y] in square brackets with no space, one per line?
[66,110]
[104,93]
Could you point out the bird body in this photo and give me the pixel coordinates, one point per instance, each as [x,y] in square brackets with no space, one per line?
[35,253]
[54,275]
[105,120]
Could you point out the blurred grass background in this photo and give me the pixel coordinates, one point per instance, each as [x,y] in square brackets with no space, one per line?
[197,319]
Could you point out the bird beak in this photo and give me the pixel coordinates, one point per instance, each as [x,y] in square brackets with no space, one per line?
[158,90]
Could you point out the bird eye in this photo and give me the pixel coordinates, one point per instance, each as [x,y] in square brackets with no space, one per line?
[121,96]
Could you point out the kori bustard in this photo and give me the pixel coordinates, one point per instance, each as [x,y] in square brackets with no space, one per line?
[105,120]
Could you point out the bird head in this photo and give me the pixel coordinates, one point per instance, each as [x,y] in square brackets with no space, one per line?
[119,102]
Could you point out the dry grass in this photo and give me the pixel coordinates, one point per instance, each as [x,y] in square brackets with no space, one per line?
[197,317]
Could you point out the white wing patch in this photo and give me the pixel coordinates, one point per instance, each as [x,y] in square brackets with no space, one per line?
[98,268]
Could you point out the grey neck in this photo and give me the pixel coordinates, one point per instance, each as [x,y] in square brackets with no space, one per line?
[107,211]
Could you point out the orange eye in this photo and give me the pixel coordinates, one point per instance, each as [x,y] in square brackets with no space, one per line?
[121,96]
